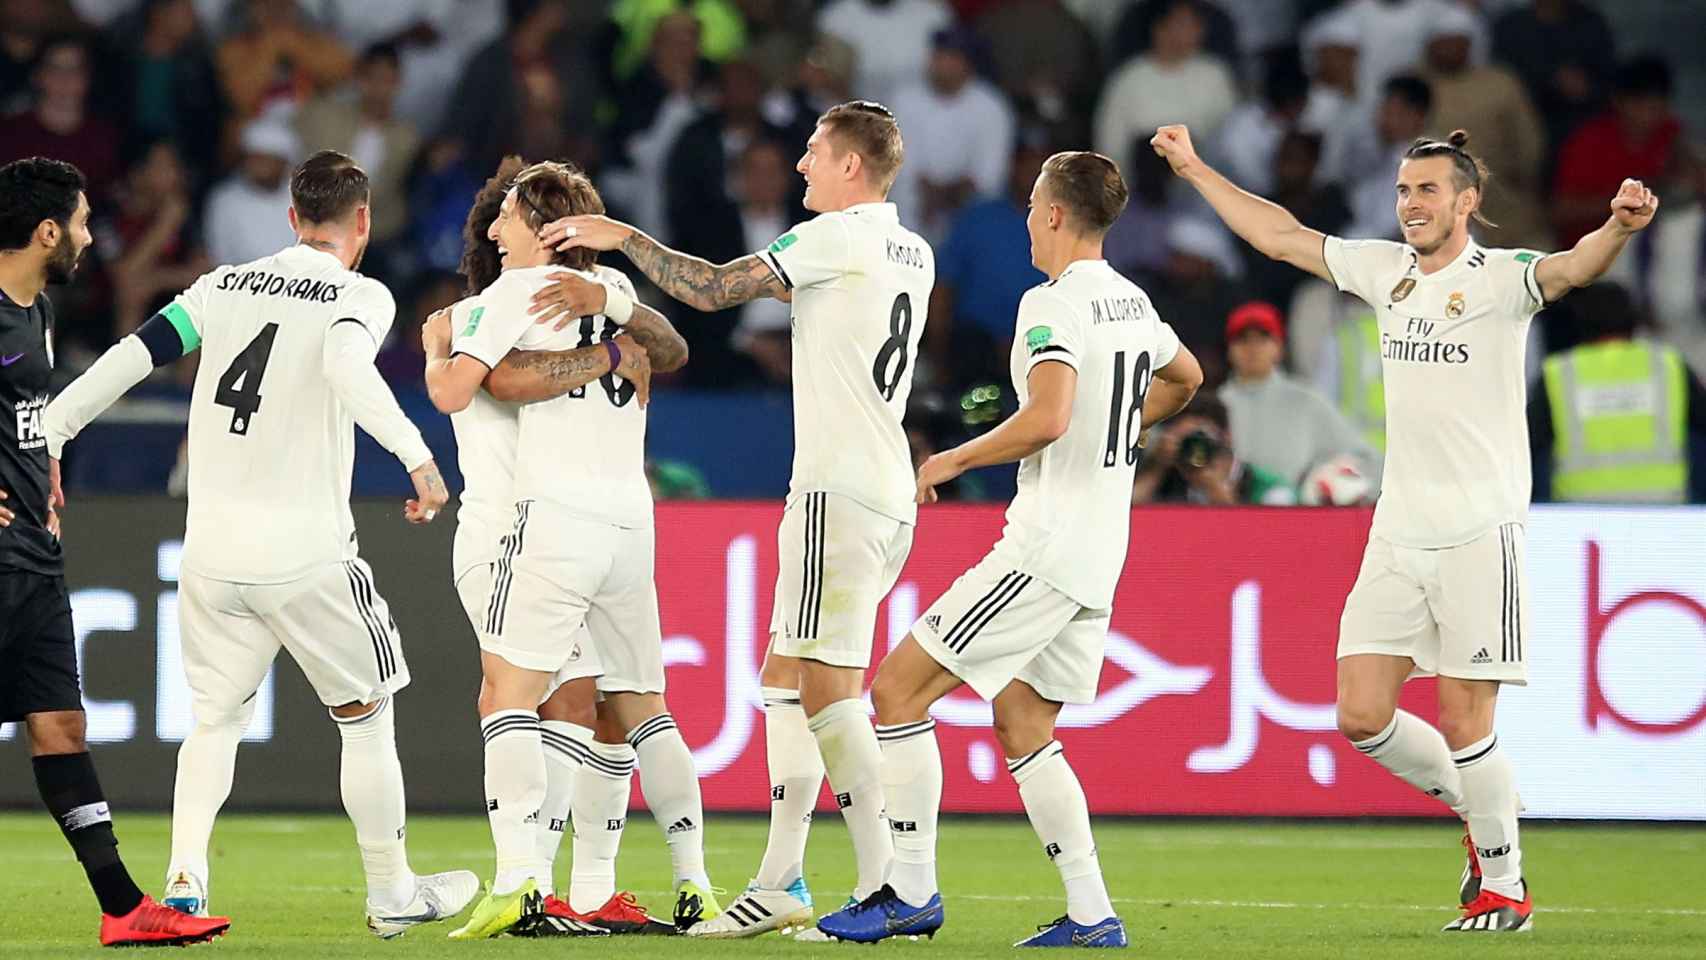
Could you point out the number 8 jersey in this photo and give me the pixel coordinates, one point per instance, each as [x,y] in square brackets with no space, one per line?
[861,283]
[1069,524]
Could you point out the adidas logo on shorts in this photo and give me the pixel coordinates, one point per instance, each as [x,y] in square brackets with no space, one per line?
[1481,656]
[933,621]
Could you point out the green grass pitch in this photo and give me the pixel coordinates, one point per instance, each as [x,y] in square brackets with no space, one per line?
[1261,890]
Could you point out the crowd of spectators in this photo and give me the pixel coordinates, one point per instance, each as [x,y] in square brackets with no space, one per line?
[186,115]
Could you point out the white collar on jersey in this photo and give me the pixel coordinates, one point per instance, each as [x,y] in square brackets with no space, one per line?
[876,208]
[300,250]
[1469,250]
[1091,264]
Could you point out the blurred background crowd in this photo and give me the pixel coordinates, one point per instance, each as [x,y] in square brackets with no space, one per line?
[186,116]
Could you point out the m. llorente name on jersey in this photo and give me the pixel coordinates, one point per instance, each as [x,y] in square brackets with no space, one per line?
[262,283]
[1412,350]
[1116,310]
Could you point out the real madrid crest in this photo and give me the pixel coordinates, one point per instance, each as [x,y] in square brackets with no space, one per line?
[1454,306]
[1403,289]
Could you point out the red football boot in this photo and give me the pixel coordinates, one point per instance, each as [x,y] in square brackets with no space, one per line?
[152,924]
[1469,887]
[1490,912]
[623,914]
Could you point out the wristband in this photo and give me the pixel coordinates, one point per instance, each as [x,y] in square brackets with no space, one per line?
[618,306]
[615,354]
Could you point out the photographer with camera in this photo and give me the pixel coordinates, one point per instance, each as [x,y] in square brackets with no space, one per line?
[1192,462]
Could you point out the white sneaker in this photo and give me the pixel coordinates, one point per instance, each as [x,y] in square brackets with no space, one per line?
[185,893]
[759,910]
[438,896]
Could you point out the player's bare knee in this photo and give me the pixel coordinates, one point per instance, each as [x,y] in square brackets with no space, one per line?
[1463,726]
[56,733]
[890,698]
[1021,733]
[1361,720]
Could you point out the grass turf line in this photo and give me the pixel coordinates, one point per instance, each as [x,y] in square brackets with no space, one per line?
[293,887]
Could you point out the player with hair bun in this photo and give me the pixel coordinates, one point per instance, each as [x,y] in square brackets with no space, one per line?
[1442,589]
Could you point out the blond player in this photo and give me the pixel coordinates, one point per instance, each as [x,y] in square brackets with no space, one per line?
[859,282]
[1441,589]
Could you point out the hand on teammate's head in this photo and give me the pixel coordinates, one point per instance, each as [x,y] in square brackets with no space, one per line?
[588,230]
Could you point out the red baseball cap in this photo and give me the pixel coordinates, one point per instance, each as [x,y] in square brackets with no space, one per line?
[1255,315]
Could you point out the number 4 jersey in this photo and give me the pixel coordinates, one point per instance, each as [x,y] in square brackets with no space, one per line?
[271,446]
[1069,524]
[860,283]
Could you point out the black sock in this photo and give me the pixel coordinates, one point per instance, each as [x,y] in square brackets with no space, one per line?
[73,795]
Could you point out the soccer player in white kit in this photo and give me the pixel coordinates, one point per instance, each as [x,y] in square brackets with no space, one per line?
[1441,589]
[579,552]
[287,345]
[860,283]
[1093,367]
[596,774]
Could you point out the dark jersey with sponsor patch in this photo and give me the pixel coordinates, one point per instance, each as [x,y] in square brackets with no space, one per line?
[26,363]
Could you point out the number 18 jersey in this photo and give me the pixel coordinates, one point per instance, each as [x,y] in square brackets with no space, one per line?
[861,283]
[271,447]
[1071,520]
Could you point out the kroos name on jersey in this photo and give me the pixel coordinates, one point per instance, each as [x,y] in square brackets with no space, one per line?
[262,283]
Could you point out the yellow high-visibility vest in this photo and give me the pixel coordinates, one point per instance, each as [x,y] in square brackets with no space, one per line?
[1362,386]
[1619,423]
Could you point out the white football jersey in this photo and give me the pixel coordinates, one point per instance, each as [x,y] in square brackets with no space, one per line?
[270,446]
[1452,346]
[486,433]
[861,285]
[586,450]
[1071,520]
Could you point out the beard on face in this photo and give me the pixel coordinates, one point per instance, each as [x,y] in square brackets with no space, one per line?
[62,263]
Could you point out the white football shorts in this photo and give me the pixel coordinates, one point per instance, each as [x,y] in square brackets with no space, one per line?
[333,622]
[1457,612]
[558,573]
[997,624]
[837,560]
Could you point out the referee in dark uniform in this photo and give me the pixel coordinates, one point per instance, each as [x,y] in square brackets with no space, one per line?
[44,229]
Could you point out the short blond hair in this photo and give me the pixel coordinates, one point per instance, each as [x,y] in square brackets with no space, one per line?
[868,129]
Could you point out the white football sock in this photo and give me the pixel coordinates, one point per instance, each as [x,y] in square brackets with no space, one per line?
[671,785]
[371,779]
[1415,752]
[1054,801]
[515,787]
[565,744]
[600,811]
[912,794]
[206,762]
[1489,792]
[796,778]
[854,762]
